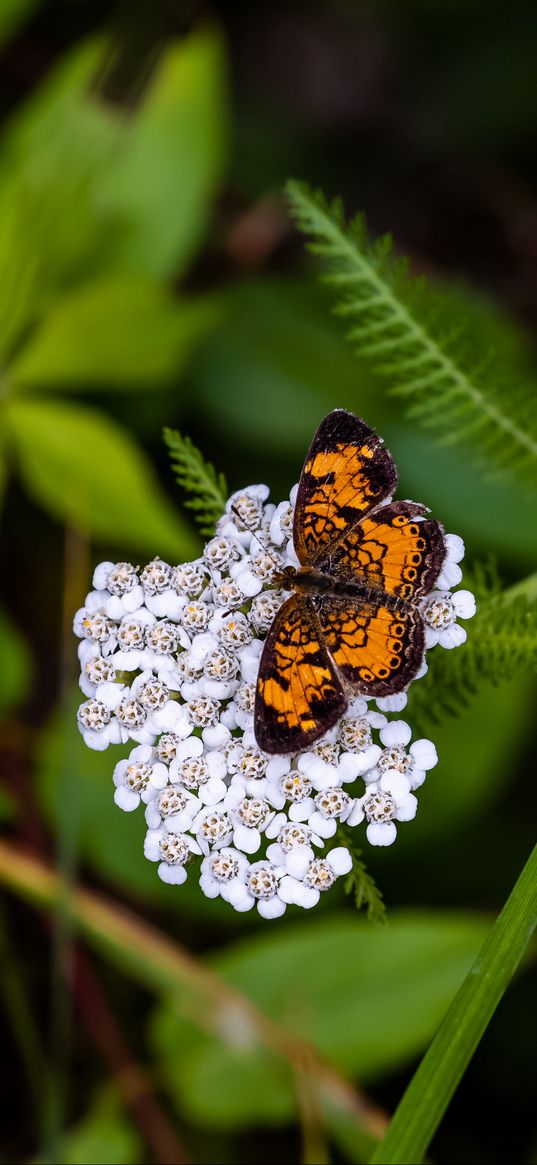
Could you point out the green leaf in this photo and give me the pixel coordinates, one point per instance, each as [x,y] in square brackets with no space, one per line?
[104,1136]
[221,1087]
[112,332]
[368,998]
[87,471]
[15,665]
[61,103]
[49,155]
[86,189]
[163,181]
[275,366]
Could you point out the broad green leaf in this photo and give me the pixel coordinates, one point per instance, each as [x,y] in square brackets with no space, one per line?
[49,154]
[84,188]
[163,181]
[113,332]
[104,1136]
[58,103]
[275,366]
[48,237]
[227,1088]
[369,999]
[21,291]
[87,471]
[15,665]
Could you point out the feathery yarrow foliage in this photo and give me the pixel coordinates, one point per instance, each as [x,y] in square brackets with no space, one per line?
[503,642]
[169,660]
[206,488]
[359,882]
[398,326]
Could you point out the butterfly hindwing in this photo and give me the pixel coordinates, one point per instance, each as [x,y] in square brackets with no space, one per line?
[346,474]
[376,648]
[299,695]
[396,549]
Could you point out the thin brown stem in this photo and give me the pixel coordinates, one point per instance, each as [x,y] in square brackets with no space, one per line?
[311,1113]
[131,1079]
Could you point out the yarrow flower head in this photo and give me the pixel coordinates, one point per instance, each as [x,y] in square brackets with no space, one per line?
[169,657]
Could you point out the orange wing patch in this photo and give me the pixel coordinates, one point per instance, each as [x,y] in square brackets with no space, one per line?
[396,550]
[377,649]
[299,696]
[347,472]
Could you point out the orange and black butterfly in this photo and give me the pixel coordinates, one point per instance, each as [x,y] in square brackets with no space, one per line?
[353,623]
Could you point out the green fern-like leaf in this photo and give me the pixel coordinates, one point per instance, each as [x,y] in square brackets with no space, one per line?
[410,340]
[502,640]
[207,488]
[359,882]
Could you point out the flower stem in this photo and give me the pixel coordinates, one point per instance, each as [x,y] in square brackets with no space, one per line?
[433,1084]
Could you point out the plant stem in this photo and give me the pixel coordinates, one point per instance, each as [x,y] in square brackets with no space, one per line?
[427,1097]
[130,1077]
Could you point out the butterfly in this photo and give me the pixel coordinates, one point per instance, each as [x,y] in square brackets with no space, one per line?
[352,623]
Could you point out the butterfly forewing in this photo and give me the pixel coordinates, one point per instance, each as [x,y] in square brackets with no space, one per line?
[346,473]
[299,695]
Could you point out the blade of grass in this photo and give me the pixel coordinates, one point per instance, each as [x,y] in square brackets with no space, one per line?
[427,1097]
[162,965]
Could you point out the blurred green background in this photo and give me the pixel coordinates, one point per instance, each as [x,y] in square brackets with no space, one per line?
[149,275]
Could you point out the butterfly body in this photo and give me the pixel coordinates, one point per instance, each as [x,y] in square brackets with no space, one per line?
[318,585]
[352,623]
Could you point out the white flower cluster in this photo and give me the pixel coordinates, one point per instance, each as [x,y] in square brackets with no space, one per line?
[169,659]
